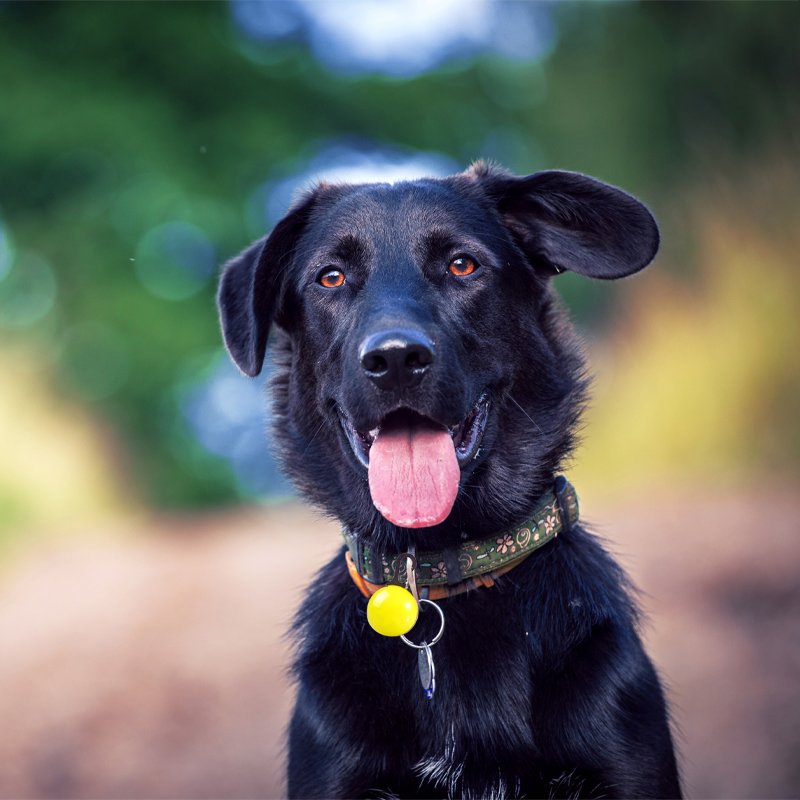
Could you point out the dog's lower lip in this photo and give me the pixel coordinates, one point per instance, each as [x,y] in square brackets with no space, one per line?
[360,443]
[466,435]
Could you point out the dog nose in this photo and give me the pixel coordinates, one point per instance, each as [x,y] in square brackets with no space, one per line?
[396,359]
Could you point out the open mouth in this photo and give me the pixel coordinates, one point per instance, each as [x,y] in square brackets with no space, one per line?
[466,435]
[414,463]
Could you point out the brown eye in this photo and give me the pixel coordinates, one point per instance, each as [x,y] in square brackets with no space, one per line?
[331,278]
[462,266]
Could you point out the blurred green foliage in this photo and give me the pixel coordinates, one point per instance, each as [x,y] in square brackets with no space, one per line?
[125,127]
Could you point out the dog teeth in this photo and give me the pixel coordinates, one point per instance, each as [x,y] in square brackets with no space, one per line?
[367,439]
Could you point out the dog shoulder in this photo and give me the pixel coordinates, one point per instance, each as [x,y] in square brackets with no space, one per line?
[569,591]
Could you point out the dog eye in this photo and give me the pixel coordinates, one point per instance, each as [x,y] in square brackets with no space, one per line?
[331,278]
[462,266]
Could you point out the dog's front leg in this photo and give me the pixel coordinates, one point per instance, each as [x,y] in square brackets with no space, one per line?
[312,764]
[326,760]
[323,766]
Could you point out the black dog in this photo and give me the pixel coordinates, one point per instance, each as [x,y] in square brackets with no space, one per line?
[427,389]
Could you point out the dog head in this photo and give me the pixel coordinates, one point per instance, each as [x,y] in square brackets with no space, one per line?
[425,376]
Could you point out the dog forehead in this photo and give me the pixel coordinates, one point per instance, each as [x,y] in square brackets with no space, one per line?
[394,213]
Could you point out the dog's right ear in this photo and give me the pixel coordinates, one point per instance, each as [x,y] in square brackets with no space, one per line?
[251,289]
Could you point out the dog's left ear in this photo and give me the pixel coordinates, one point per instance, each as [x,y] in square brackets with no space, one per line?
[567,221]
[251,286]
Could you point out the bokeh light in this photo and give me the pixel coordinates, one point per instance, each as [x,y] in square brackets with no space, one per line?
[145,202]
[341,162]
[6,250]
[401,37]
[27,290]
[174,260]
[230,417]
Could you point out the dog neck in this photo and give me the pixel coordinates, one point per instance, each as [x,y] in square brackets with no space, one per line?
[475,563]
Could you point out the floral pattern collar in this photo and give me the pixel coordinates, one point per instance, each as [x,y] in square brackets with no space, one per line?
[473,563]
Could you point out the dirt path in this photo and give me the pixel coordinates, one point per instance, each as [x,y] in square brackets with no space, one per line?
[153,667]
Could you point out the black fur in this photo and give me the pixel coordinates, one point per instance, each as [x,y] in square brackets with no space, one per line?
[544,688]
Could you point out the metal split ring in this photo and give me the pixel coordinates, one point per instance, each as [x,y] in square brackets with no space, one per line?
[435,638]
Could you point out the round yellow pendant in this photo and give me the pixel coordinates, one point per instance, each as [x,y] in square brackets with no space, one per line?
[392,611]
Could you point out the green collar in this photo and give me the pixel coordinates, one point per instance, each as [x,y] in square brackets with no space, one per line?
[555,512]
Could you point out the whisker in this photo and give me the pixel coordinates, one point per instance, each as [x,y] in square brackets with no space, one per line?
[526,414]
[313,436]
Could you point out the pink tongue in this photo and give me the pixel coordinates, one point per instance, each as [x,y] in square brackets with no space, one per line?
[413,473]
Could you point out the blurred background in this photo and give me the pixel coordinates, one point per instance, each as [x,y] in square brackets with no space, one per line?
[142,608]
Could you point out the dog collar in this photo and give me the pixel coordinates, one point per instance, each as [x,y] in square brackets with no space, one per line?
[444,573]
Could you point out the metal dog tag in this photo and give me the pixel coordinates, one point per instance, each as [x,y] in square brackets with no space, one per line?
[427,672]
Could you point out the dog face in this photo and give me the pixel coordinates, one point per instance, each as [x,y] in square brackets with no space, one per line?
[424,369]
